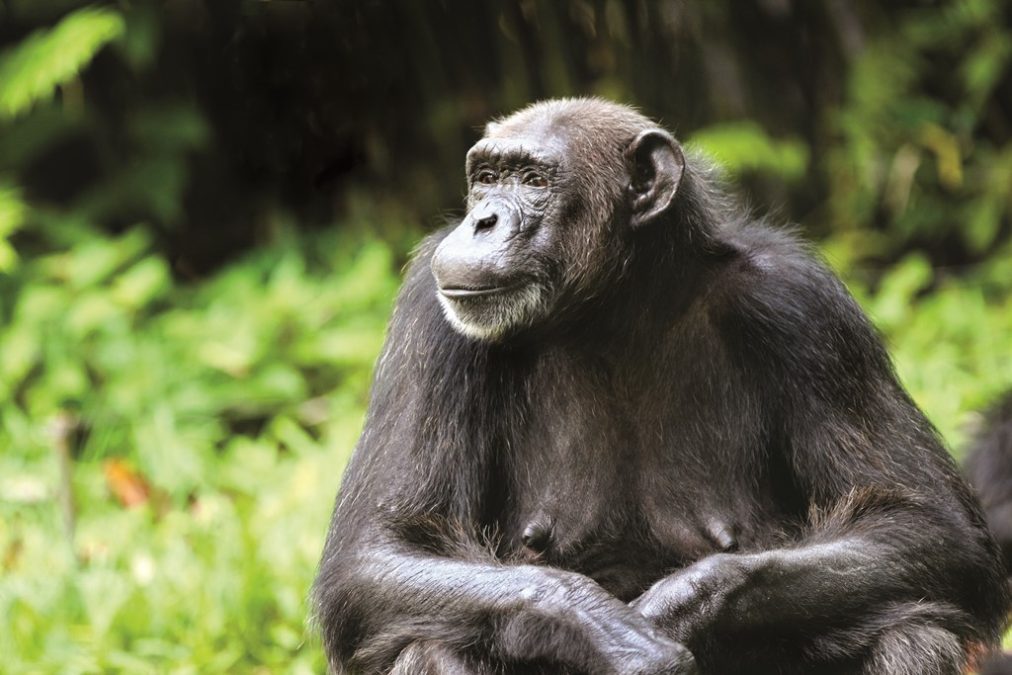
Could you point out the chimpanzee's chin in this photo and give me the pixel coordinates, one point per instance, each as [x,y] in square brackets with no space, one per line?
[491,316]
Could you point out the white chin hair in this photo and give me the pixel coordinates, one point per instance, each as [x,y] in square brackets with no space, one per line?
[489,319]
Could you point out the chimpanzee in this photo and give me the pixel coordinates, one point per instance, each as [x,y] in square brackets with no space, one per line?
[989,467]
[620,427]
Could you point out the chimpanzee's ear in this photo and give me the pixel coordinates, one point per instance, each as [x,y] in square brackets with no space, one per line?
[655,163]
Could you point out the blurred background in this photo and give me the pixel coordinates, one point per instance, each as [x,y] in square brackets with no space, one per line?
[205,207]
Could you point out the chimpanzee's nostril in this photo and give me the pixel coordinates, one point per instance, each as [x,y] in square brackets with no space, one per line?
[486,223]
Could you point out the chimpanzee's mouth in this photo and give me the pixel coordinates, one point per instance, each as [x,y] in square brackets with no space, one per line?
[465,292]
[489,312]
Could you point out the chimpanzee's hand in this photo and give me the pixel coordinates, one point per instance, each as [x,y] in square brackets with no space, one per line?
[569,619]
[693,599]
[669,658]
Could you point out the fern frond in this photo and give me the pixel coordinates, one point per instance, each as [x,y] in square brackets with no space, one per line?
[32,70]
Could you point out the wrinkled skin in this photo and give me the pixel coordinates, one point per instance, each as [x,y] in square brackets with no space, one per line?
[619,428]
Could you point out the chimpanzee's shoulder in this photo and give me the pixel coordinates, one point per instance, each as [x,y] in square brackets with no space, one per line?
[779,299]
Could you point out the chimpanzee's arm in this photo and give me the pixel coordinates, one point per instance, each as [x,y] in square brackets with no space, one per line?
[377,603]
[896,573]
[880,570]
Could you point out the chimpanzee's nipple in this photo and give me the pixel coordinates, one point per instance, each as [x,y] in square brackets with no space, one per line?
[537,535]
[722,534]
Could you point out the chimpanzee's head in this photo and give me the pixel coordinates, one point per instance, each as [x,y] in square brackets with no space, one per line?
[553,192]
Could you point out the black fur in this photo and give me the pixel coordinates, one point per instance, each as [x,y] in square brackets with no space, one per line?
[705,435]
[989,467]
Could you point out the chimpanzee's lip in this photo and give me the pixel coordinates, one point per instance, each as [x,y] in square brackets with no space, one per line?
[460,292]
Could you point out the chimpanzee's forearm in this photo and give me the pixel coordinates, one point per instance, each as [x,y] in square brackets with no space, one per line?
[789,589]
[381,601]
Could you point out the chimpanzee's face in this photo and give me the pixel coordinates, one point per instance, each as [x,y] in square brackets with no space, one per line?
[497,272]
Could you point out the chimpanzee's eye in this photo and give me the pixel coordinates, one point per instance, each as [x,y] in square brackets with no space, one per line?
[534,179]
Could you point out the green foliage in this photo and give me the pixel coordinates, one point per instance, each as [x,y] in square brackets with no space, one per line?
[31,71]
[235,403]
[916,152]
[742,147]
[12,215]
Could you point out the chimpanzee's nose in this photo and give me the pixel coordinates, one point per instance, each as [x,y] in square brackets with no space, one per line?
[493,219]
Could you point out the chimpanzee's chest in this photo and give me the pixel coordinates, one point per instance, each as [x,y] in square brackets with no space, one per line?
[624,494]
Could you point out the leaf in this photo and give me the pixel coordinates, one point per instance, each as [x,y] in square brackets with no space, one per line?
[142,283]
[894,300]
[31,71]
[947,155]
[126,485]
[745,146]
[983,222]
[13,211]
[986,64]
